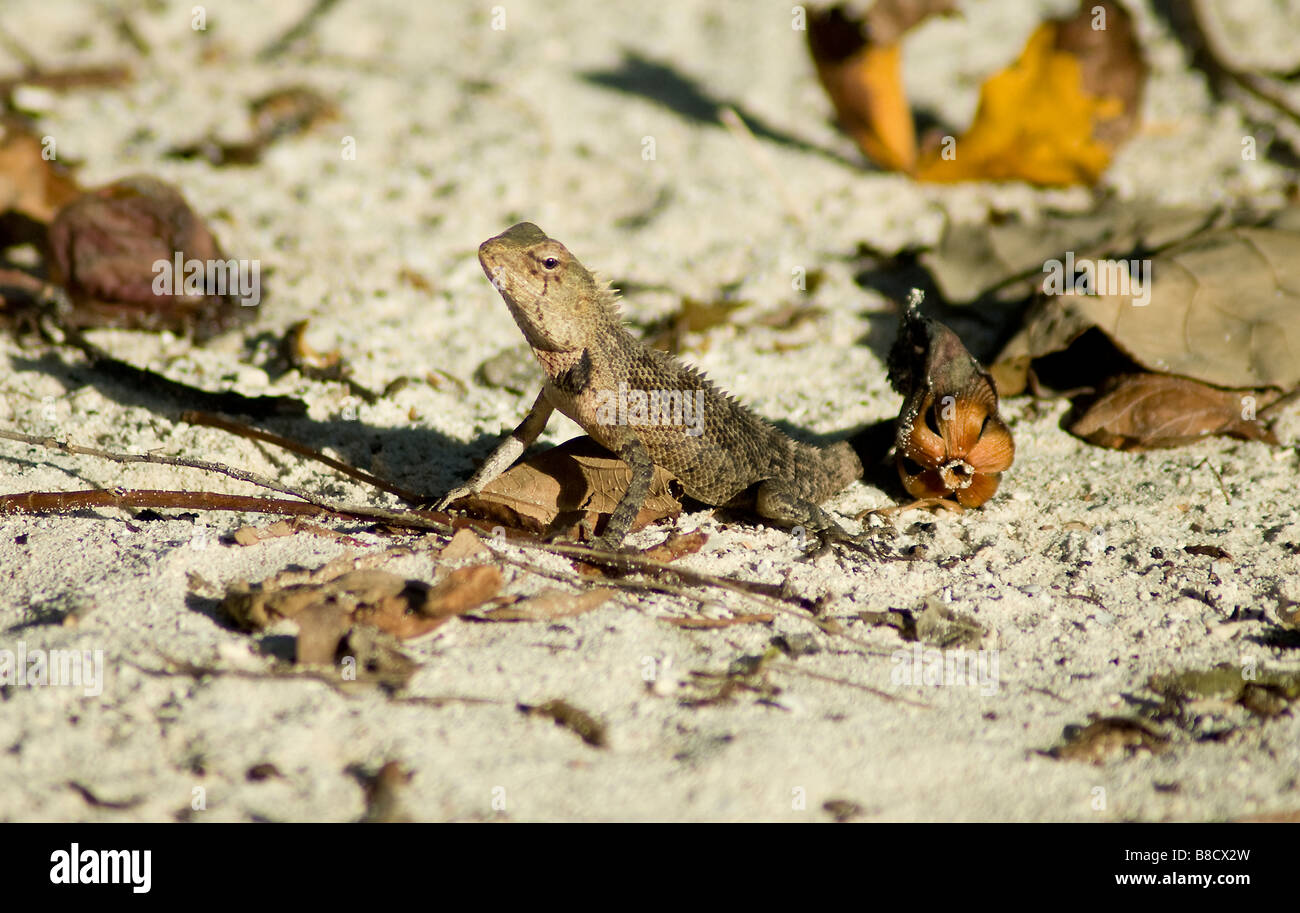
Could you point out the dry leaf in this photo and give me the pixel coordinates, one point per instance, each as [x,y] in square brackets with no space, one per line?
[1105,738]
[462,590]
[464,544]
[401,607]
[577,480]
[676,545]
[1039,120]
[103,247]
[551,604]
[950,439]
[1148,411]
[1110,60]
[864,80]
[591,730]
[30,183]
[375,656]
[1223,308]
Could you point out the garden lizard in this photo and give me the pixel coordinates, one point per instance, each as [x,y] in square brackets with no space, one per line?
[644,405]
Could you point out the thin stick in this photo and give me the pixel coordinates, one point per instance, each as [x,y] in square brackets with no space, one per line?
[788,667]
[241,475]
[297,31]
[248,431]
[758,156]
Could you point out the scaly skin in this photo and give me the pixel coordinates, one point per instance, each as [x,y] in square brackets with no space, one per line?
[724,456]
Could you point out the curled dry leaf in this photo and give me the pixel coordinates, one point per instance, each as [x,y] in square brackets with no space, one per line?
[676,546]
[1148,411]
[950,440]
[578,480]
[1107,738]
[1222,307]
[591,730]
[401,607]
[30,182]
[103,247]
[864,80]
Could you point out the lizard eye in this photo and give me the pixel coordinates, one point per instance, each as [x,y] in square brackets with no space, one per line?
[550,263]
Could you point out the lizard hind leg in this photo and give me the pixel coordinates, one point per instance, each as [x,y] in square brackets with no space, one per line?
[777,501]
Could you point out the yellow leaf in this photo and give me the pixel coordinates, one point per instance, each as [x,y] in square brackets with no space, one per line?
[1035,123]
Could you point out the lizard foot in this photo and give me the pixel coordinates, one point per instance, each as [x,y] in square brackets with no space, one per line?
[451,497]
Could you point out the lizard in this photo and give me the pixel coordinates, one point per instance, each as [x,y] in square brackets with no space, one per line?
[727,456]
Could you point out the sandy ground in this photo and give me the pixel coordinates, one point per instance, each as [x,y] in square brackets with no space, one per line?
[1076,568]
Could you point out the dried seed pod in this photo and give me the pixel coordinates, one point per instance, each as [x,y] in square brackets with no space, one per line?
[104,249]
[950,440]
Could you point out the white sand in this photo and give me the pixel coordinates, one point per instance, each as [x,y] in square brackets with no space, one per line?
[462,130]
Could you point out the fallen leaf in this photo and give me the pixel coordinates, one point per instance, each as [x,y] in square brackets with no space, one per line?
[31,183]
[103,247]
[1149,411]
[1223,309]
[842,809]
[676,546]
[461,590]
[1105,738]
[591,730]
[940,626]
[1037,120]
[864,80]
[549,605]
[464,544]
[321,627]
[577,480]
[371,655]
[1101,36]
[401,607]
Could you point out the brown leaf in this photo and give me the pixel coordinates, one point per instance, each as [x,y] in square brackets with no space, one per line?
[401,607]
[864,80]
[30,183]
[103,247]
[676,545]
[577,479]
[591,730]
[462,590]
[1149,411]
[321,626]
[551,604]
[464,544]
[1056,114]
[1110,60]
[1222,307]
[1105,738]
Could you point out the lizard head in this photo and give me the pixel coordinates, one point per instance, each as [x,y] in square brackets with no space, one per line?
[554,299]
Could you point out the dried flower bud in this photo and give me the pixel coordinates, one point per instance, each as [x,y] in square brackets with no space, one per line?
[950,440]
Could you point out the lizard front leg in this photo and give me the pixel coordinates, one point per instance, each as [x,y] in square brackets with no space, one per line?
[636,456]
[506,453]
